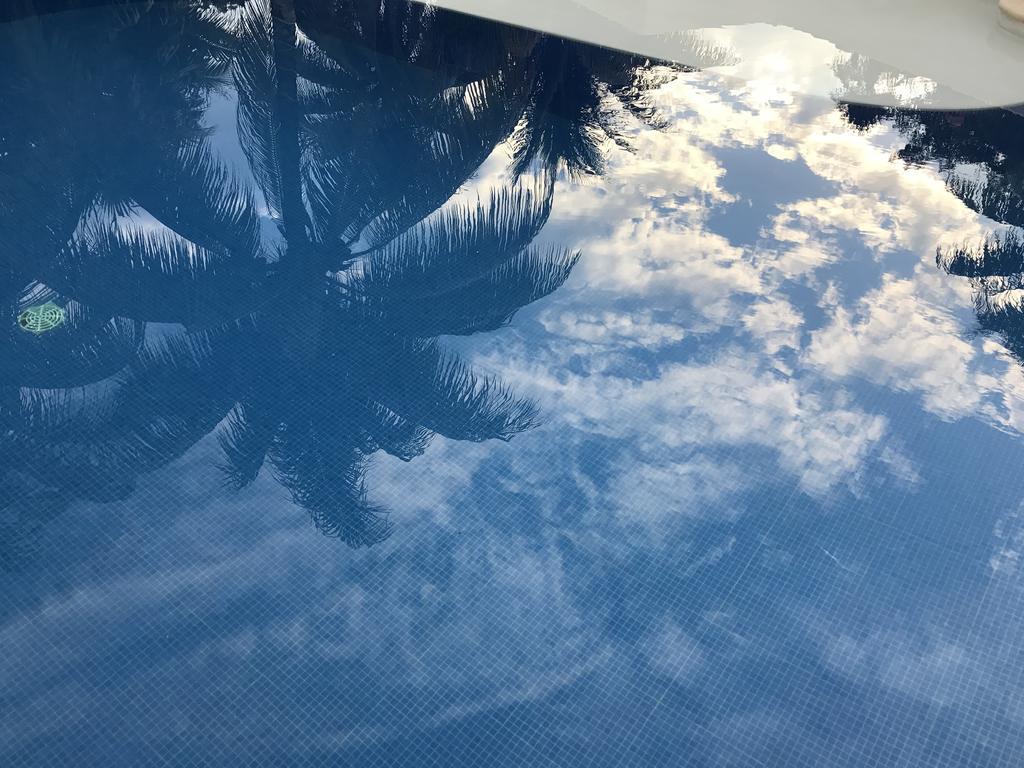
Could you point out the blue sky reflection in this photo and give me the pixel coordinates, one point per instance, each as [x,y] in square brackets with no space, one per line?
[769,516]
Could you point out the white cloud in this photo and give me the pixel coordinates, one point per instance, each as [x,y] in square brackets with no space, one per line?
[728,401]
[897,337]
[1009,544]
[672,652]
[613,328]
[778,64]
[776,323]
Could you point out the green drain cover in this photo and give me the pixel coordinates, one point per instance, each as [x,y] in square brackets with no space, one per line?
[41,318]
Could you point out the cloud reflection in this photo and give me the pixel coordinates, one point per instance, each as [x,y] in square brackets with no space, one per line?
[743,524]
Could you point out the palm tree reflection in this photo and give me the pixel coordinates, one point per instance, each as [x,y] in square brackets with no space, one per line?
[312,348]
[576,97]
[981,155]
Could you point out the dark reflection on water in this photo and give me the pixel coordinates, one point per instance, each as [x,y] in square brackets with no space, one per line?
[663,400]
[316,348]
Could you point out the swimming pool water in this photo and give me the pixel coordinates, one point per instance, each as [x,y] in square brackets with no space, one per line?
[428,391]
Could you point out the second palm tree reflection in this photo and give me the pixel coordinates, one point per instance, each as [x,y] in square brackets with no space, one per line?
[981,155]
